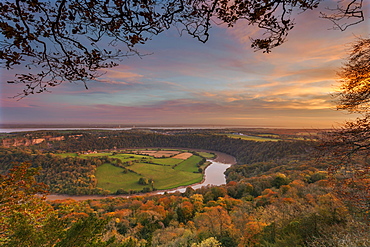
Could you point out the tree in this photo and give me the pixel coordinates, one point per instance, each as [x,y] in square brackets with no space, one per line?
[85,232]
[26,219]
[349,146]
[214,221]
[143,181]
[344,11]
[21,211]
[354,94]
[209,242]
[71,40]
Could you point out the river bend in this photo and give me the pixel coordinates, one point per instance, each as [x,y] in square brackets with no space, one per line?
[213,175]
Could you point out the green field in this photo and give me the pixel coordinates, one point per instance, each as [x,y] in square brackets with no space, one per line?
[207,155]
[167,173]
[166,177]
[165,161]
[64,155]
[112,178]
[253,138]
[189,165]
[122,156]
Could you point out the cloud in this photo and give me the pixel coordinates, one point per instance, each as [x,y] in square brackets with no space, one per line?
[121,75]
[261,112]
[221,82]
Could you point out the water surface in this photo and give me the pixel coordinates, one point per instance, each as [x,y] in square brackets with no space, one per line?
[214,175]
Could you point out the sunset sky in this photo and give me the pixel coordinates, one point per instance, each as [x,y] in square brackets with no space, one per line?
[222,82]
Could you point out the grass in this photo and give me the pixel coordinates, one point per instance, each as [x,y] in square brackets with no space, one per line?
[253,138]
[112,178]
[206,155]
[65,155]
[189,165]
[123,157]
[166,161]
[130,157]
[166,177]
[167,173]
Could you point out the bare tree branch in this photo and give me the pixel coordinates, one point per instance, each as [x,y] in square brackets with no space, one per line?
[71,40]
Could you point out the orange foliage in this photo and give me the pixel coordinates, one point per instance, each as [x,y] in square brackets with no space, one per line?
[214,220]
[288,200]
[75,216]
[231,183]
[123,213]
[268,196]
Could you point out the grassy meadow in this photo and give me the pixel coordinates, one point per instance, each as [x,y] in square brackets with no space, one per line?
[165,172]
[112,178]
[253,138]
[207,155]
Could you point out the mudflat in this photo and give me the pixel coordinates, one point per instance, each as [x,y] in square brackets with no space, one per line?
[224,158]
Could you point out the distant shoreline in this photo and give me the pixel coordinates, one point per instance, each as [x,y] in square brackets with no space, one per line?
[15,129]
[118,126]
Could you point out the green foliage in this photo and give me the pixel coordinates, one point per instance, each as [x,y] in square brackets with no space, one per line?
[317,176]
[279,180]
[143,181]
[74,176]
[85,232]
[246,152]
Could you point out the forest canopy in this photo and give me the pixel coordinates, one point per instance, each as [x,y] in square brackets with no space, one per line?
[278,196]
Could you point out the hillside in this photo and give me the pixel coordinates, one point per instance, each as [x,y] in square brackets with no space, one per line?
[278,194]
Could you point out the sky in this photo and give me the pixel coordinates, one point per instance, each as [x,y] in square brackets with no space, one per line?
[222,82]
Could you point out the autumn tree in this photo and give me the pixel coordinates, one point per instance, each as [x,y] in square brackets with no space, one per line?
[26,219]
[215,221]
[71,40]
[349,146]
[21,210]
[209,242]
[354,94]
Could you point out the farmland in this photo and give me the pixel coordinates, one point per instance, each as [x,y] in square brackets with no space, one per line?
[163,169]
[252,138]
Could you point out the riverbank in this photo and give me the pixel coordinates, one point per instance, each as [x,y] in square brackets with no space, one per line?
[224,158]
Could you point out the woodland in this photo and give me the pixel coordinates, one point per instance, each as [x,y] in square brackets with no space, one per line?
[278,194]
[60,172]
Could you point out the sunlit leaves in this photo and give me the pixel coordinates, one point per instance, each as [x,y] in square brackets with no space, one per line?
[348,147]
[354,94]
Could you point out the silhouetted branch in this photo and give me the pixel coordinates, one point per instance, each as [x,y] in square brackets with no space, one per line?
[351,11]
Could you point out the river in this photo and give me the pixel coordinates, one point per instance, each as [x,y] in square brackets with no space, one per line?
[213,175]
